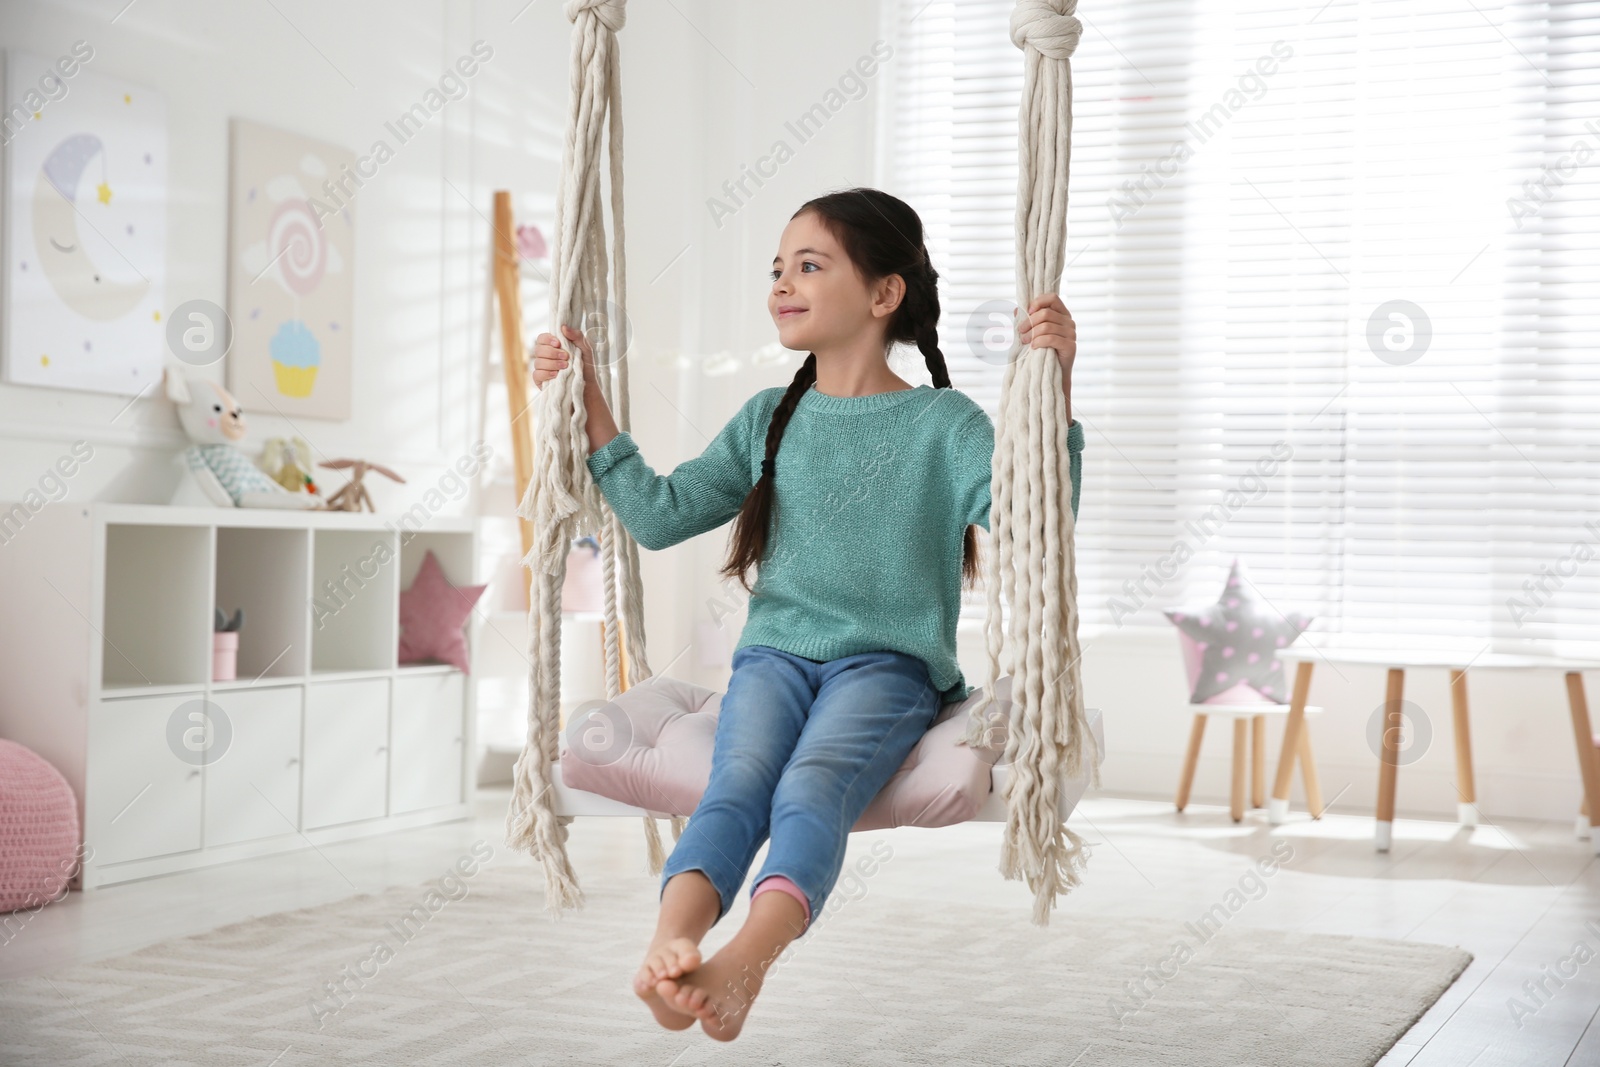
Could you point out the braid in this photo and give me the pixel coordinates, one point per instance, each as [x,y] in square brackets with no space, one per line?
[921,308]
[922,296]
[755,515]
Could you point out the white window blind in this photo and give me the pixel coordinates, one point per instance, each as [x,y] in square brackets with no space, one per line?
[1275,206]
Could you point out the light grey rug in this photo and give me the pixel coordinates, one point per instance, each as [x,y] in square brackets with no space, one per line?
[488,978]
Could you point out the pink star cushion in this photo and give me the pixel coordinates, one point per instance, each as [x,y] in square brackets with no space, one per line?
[1238,637]
[432,613]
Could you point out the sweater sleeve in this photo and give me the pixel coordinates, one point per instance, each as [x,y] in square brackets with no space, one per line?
[977,462]
[699,495]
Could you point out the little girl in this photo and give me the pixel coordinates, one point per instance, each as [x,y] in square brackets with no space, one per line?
[854,495]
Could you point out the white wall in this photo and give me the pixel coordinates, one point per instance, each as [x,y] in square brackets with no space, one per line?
[414,322]
[339,72]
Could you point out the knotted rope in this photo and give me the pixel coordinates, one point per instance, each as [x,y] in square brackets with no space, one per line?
[1032,562]
[562,499]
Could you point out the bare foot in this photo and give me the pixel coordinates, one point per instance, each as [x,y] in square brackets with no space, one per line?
[719,992]
[669,959]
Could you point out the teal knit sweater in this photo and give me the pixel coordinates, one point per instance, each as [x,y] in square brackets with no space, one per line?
[874,495]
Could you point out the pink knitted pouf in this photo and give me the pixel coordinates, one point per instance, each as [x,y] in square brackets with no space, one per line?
[38,829]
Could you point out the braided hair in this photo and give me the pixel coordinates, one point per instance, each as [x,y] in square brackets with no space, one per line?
[882,235]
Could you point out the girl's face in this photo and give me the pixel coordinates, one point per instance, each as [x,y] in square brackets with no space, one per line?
[819,300]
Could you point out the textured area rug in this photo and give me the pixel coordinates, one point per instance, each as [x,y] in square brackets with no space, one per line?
[472,970]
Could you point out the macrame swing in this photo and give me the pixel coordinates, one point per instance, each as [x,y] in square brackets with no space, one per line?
[1031,572]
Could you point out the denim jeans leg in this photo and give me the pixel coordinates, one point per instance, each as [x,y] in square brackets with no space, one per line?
[869,713]
[762,714]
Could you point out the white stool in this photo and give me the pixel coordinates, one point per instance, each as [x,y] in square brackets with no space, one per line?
[1252,718]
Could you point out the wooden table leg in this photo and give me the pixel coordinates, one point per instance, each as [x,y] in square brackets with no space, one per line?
[1467,806]
[1258,760]
[1389,760]
[1278,805]
[1308,776]
[1197,733]
[1236,799]
[1588,760]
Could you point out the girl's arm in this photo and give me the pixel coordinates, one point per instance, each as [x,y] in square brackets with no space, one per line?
[699,495]
[1048,324]
[975,443]
[659,511]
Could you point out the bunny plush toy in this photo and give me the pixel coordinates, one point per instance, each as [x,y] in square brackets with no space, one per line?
[214,423]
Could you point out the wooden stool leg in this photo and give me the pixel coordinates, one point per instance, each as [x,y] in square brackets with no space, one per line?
[1190,759]
[1393,724]
[1467,805]
[1278,806]
[1588,759]
[1581,826]
[1258,760]
[1236,799]
[1308,776]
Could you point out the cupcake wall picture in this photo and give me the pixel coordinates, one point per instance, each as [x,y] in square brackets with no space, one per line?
[86,227]
[290,288]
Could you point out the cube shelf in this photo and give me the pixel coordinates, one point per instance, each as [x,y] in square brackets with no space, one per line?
[321,736]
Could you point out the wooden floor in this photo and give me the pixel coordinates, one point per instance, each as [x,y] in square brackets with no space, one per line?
[1516,895]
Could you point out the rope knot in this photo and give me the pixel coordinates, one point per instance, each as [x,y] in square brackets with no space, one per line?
[1048,25]
[613,14]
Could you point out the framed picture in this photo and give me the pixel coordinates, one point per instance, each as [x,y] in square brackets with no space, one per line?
[290,259]
[86,227]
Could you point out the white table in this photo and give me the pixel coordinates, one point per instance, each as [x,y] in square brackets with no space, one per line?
[1398,660]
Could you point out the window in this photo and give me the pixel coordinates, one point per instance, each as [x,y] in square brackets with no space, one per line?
[1334,268]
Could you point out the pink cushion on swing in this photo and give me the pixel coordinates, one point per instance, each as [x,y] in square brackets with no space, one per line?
[656,755]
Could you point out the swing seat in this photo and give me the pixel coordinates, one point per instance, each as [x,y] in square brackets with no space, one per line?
[648,752]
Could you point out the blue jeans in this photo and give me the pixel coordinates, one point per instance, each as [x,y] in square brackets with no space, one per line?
[802,747]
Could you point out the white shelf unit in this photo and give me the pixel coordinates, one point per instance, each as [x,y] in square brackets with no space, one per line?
[105,657]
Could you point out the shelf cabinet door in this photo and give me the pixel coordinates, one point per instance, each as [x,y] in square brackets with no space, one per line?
[253,788]
[346,751]
[429,740]
[143,796]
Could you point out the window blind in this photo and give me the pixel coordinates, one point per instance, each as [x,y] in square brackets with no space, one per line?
[1326,325]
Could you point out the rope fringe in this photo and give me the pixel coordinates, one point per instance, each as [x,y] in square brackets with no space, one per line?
[1032,566]
[562,501]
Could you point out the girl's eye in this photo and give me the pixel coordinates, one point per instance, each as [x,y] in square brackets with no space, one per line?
[807,263]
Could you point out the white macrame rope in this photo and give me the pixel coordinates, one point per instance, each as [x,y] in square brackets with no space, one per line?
[562,500]
[1031,566]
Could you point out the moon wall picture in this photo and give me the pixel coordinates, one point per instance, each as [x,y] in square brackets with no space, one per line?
[86,234]
[290,290]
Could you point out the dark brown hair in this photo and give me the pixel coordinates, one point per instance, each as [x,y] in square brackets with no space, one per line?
[882,235]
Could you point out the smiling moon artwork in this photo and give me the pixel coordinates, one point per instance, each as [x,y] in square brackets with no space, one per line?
[86,247]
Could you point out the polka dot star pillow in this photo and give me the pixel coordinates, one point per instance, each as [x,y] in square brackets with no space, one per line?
[1237,637]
